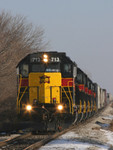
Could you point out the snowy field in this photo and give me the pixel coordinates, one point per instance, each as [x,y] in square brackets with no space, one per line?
[93,136]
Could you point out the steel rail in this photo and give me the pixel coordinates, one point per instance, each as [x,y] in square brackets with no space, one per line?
[48,139]
[10,140]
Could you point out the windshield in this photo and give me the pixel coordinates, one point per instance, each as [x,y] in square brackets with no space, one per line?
[24,70]
[53,67]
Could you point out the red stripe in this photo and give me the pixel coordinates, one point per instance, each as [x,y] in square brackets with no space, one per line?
[24,82]
[67,82]
[81,87]
[94,95]
[89,92]
[86,90]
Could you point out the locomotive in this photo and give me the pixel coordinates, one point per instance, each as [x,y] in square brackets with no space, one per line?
[53,89]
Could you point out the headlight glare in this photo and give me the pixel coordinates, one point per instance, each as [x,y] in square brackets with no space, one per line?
[28,107]
[45,58]
[60,107]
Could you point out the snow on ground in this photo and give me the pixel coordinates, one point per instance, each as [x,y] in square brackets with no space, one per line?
[109,117]
[71,145]
[88,137]
[72,141]
[109,136]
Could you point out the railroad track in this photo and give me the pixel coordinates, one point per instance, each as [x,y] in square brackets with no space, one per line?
[5,145]
[32,142]
[29,141]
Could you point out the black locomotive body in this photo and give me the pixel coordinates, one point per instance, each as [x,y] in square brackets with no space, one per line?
[52,88]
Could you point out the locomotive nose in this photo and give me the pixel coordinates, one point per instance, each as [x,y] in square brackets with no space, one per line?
[46,87]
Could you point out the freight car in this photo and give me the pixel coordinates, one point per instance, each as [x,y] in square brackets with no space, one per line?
[109,97]
[52,89]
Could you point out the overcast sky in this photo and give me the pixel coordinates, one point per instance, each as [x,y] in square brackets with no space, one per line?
[81,28]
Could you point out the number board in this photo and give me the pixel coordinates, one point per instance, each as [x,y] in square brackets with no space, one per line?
[35,59]
[39,59]
[54,59]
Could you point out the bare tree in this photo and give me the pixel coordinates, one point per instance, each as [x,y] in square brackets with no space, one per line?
[17,39]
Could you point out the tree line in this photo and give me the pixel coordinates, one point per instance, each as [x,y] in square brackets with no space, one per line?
[18,37]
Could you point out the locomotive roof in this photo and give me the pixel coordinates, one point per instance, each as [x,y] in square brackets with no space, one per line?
[62,55]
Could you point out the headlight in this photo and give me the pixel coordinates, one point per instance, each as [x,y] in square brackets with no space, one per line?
[60,107]
[28,107]
[45,58]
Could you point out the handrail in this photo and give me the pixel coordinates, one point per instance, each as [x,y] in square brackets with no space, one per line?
[89,109]
[69,90]
[21,97]
[80,107]
[20,81]
[70,95]
[67,98]
[84,106]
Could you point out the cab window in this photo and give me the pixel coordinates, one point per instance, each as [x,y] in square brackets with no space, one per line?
[24,70]
[79,78]
[67,68]
[52,67]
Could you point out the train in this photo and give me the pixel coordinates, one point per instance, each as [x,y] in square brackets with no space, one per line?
[52,89]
